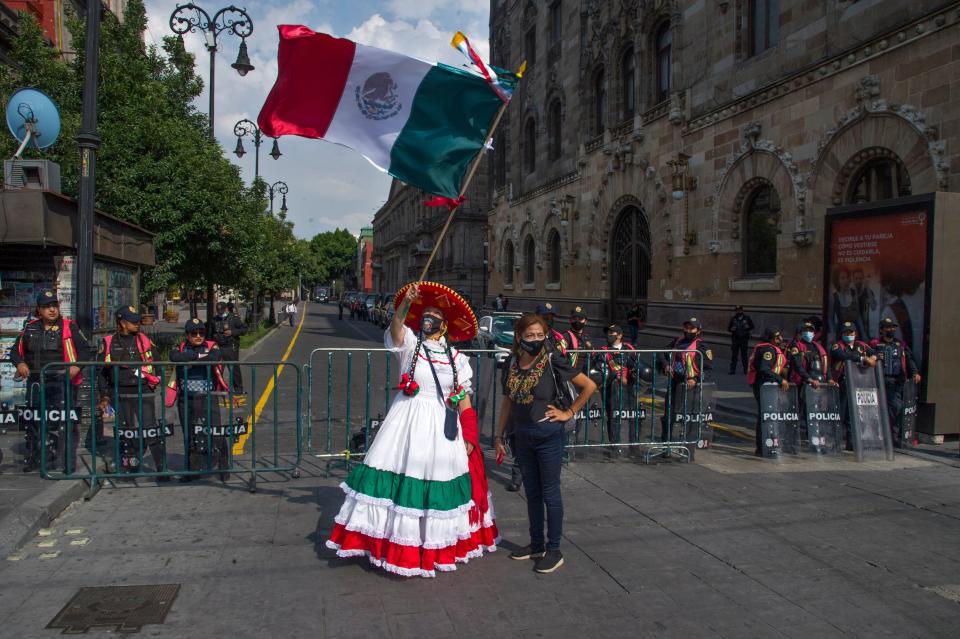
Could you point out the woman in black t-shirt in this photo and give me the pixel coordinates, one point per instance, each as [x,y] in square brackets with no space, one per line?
[531,413]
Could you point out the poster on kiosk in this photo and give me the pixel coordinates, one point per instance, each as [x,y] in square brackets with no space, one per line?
[898,259]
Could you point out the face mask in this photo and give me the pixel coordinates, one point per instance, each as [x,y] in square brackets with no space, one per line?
[849,338]
[577,325]
[890,334]
[612,339]
[532,346]
[689,335]
[429,324]
[807,336]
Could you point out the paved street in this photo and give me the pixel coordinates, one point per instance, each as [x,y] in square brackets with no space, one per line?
[729,546]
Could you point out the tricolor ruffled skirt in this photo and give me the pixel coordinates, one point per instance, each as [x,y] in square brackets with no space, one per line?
[408,507]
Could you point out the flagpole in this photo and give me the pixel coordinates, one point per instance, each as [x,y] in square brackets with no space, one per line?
[463,190]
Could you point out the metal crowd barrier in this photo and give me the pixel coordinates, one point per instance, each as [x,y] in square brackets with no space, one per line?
[349,392]
[207,431]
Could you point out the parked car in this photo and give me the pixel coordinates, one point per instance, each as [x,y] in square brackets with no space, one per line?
[370,301]
[496,334]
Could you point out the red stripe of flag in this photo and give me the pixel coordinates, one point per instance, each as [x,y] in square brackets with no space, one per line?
[312,72]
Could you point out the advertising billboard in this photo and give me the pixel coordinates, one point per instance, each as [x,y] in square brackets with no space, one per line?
[878,266]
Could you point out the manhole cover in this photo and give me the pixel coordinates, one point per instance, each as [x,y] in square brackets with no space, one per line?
[125,608]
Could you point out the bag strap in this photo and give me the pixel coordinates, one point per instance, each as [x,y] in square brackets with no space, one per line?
[436,380]
[556,385]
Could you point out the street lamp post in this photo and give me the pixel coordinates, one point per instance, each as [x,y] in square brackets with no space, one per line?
[189,18]
[247,127]
[281,188]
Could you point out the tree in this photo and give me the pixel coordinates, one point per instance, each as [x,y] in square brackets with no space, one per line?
[335,253]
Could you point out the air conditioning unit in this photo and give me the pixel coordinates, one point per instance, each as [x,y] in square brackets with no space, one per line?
[31,174]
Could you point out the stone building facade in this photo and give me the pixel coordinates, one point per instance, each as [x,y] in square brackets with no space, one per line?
[405,231]
[683,154]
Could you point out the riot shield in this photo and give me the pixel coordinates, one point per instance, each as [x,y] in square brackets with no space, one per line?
[779,421]
[824,422]
[909,416]
[694,412]
[867,410]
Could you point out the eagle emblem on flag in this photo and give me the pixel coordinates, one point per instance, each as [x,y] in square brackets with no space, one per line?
[377,99]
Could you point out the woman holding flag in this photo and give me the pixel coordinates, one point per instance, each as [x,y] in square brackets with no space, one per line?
[419,503]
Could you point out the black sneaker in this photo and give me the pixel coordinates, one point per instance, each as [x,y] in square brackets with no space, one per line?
[527,552]
[512,487]
[550,561]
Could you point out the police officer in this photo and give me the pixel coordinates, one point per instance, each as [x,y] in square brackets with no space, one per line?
[576,339]
[768,363]
[685,368]
[848,349]
[131,387]
[555,339]
[898,365]
[198,410]
[620,401]
[227,329]
[739,327]
[49,338]
[809,363]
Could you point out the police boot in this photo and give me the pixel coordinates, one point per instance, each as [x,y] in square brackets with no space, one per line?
[31,457]
[224,461]
[157,450]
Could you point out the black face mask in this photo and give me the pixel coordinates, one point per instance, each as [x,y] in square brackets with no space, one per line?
[889,335]
[578,325]
[532,346]
[430,325]
[689,336]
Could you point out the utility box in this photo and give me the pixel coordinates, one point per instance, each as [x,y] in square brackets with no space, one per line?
[41,175]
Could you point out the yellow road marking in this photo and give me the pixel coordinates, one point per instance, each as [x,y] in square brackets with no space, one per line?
[265,396]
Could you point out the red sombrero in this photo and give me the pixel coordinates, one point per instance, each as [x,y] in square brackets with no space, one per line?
[461,322]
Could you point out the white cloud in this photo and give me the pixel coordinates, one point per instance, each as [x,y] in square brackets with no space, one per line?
[451,9]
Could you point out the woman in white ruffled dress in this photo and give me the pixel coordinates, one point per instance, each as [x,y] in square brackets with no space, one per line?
[419,503]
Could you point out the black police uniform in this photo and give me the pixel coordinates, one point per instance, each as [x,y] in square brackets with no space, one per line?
[619,399]
[842,352]
[37,346]
[892,354]
[765,358]
[196,386]
[678,378]
[739,328]
[230,345]
[134,401]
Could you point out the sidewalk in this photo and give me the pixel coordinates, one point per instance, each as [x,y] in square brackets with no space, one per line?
[29,502]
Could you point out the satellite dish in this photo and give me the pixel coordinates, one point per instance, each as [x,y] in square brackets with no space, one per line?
[33,117]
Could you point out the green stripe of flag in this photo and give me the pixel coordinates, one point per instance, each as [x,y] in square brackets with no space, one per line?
[449,120]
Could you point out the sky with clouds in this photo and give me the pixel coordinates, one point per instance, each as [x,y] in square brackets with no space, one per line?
[330,186]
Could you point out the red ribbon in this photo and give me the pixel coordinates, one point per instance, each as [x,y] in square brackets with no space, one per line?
[449,202]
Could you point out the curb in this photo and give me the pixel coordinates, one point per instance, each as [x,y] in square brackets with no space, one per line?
[37,512]
[259,343]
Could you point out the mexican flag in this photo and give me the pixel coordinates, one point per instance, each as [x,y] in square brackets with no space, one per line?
[422,123]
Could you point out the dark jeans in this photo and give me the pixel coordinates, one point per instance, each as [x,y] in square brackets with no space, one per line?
[620,404]
[738,352]
[539,452]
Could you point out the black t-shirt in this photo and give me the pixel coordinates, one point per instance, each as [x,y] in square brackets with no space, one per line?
[528,408]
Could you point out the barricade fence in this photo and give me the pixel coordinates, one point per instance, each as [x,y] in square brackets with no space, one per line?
[164,420]
[638,405]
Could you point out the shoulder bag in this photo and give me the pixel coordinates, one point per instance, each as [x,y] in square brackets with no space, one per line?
[450,418]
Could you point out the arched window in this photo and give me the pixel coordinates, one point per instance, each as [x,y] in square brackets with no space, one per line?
[664,44]
[508,262]
[762,222]
[553,129]
[529,261]
[882,178]
[628,84]
[599,102]
[530,145]
[764,24]
[553,257]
